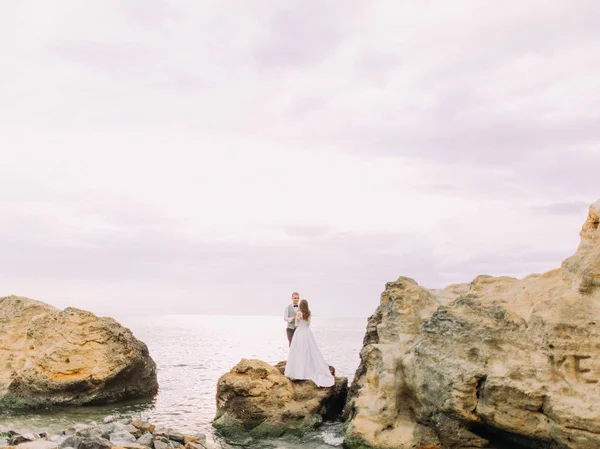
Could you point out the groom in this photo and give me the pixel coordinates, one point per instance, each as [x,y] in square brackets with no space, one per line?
[290,316]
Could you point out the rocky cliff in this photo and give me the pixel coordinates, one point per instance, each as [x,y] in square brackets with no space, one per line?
[499,362]
[50,357]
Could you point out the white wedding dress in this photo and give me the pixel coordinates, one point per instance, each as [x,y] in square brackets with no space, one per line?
[305,361]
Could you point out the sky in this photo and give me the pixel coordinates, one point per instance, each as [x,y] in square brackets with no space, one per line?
[173,156]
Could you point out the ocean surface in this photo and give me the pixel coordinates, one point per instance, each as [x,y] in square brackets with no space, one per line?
[191,353]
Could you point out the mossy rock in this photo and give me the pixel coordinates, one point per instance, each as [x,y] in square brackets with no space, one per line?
[268,430]
[353,441]
[227,426]
[16,403]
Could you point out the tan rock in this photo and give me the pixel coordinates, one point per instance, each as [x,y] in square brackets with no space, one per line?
[519,359]
[51,356]
[195,445]
[582,270]
[256,399]
[129,446]
[141,425]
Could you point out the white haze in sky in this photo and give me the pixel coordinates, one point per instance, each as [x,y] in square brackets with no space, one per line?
[212,157]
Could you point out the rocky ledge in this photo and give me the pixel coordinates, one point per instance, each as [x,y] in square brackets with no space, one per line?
[112,434]
[68,357]
[499,362]
[255,400]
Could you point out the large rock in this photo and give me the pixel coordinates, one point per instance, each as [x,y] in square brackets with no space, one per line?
[500,361]
[49,356]
[255,399]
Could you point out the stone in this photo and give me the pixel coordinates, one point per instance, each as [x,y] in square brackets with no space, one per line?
[498,362]
[256,400]
[78,428]
[68,357]
[121,438]
[71,441]
[165,440]
[160,445]
[146,440]
[175,436]
[133,430]
[192,445]
[161,432]
[129,446]
[199,438]
[103,431]
[109,419]
[95,443]
[142,425]
[18,439]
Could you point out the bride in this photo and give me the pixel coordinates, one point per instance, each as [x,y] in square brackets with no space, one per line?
[305,361]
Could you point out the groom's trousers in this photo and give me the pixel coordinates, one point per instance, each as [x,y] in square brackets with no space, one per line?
[290,335]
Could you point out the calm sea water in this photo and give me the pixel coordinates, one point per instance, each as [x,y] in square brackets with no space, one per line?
[192,352]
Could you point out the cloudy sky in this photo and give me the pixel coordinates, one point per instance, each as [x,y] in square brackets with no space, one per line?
[212,157]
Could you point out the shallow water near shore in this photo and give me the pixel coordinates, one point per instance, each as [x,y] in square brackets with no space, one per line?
[191,353]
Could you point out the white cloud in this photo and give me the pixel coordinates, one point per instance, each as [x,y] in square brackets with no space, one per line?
[182,138]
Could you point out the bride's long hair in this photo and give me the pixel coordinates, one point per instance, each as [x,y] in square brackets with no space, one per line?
[304,310]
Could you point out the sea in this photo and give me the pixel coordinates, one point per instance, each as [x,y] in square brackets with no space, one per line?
[191,353]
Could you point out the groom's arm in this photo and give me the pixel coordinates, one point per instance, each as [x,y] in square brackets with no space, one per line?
[286,315]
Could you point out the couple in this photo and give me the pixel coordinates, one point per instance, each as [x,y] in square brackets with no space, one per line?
[305,361]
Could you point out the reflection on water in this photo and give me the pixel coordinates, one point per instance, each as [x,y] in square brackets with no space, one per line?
[60,418]
[191,352]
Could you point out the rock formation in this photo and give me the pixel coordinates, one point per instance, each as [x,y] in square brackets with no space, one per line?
[499,362]
[256,400]
[51,357]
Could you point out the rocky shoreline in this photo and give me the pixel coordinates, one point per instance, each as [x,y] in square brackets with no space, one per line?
[113,433]
[498,362]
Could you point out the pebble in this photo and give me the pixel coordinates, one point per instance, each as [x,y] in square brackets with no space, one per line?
[112,433]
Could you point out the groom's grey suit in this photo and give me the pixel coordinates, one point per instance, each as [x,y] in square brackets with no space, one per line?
[288,315]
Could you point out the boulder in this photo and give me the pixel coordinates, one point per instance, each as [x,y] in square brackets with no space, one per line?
[122,438]
[256,400]
[68,357]
[499,362]
[145,440]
